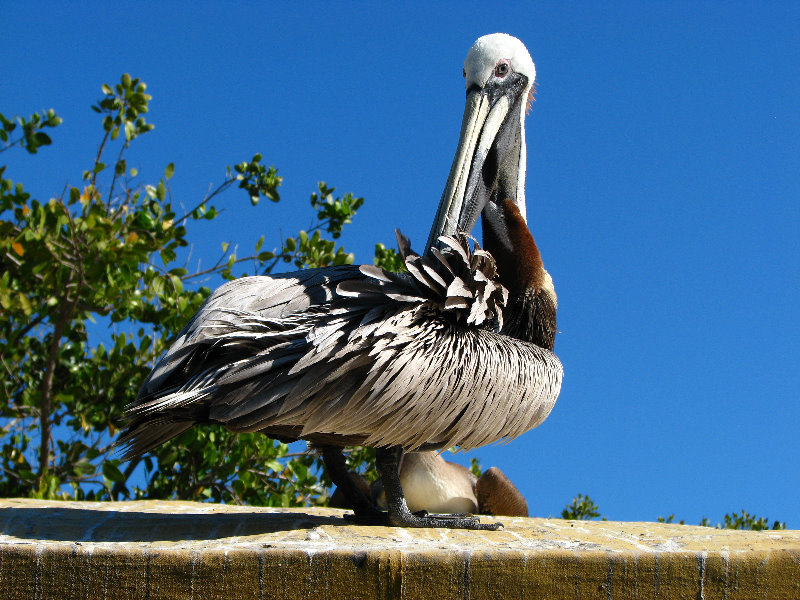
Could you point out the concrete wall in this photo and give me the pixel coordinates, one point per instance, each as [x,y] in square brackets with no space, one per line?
[141,550]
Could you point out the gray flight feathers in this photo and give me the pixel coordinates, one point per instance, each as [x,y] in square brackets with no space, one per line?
[460,280]
[411,359]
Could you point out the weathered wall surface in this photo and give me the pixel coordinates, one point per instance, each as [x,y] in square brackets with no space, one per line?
[173,550]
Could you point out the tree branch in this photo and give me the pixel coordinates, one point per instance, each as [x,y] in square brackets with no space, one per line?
[114,180]
[64,317]
[221,187]
[47,386]
[18,335]
[99,156]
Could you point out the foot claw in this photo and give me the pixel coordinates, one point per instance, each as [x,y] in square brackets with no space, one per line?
[369,518]
[443,521]
[422,518]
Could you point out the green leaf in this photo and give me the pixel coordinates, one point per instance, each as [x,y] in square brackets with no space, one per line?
[176,283]
[144,220]
[83,467]
[130,131]
[274,465]
[112,472]
[169,170]
[43,139]
[25,304]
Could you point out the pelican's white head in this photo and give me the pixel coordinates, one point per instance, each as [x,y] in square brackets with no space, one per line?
[489,52]
[489,166]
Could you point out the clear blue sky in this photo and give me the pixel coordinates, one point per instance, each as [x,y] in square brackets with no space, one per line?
[663,190]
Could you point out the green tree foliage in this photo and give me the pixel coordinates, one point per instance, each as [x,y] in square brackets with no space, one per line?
[109,251]
[582,508]
[744,521]
[475,467]
[31,129]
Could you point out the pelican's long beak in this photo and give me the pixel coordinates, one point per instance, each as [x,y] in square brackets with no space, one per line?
[489,162]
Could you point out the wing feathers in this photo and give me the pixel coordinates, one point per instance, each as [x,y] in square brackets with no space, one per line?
[407,359]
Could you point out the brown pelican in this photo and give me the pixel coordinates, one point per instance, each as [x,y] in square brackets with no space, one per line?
[431,483]
[434,484]
[458,351]
[498,496]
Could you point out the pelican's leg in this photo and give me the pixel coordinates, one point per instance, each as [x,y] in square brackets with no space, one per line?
[364,508]
[388,462]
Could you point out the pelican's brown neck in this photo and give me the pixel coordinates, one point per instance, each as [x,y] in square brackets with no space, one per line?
[530,314]
[508,238]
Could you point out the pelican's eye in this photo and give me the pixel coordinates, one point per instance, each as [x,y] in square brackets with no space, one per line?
[502,68]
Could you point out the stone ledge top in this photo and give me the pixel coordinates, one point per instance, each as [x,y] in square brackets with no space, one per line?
[170,525]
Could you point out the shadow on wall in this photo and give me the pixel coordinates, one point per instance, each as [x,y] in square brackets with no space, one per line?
[86,525]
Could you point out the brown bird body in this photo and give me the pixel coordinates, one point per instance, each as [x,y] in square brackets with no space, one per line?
[433,484]
[436,485]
